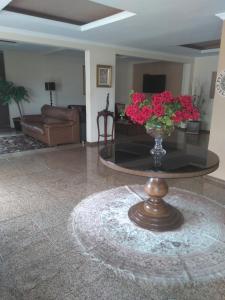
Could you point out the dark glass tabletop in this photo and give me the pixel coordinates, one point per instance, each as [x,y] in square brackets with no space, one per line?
[181,160]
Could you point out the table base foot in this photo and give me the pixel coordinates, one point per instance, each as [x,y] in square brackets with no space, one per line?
[154,213]
[142,218]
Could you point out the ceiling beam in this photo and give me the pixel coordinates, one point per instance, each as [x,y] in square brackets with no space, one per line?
[108,20]
[214,50]
[26,36]
[4,3]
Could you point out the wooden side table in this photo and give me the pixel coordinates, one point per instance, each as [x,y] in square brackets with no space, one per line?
[106,114]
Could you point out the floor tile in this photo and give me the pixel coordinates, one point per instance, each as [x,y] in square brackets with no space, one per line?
[38,256]
[17,234]
[51,217]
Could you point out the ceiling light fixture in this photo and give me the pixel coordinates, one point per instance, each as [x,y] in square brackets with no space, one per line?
[108,20]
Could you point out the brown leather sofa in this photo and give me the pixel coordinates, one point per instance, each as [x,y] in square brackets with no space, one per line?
[55,125]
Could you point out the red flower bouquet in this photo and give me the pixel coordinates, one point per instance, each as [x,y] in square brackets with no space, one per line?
[161,110]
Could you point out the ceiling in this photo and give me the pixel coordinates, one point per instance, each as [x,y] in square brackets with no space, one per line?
[204,45]
[39,49]
[133,59]
[159,25]
[71,11]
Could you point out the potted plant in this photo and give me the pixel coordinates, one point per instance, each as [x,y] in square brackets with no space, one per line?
[160,113]
[198,99]
[10,93]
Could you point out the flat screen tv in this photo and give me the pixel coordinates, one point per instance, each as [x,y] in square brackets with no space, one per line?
[154,83]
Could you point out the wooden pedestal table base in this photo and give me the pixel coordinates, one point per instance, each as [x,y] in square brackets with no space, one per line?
[155,214]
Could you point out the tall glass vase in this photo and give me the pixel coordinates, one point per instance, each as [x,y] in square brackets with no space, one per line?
[158,133]
[158,147]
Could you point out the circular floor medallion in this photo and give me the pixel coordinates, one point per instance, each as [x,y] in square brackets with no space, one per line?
[195,251]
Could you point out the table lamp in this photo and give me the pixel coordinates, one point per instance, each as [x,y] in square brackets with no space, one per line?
[50,86]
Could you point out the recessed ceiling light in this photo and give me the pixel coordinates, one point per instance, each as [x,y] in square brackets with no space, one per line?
[203,46]
[108,20]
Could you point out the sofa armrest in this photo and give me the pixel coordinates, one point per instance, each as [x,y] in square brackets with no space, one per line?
[59,125]
[32,118]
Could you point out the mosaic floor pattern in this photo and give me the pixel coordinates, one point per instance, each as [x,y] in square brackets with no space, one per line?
[191,258]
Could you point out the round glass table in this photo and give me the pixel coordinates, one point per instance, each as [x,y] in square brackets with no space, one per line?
[180,161]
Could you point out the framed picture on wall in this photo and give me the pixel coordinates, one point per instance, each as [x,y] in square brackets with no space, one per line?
[104,76]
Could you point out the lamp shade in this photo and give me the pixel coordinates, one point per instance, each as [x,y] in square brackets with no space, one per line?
[50,86]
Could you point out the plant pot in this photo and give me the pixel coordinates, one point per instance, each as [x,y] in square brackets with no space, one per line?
[193,127]
[17,123]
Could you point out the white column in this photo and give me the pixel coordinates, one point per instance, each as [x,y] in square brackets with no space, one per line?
[217,136]
[96,96]
[186,80]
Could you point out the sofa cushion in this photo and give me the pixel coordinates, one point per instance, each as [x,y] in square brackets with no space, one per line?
[82,111]
[32,118]
[49,120]
[35,127]
[60,113]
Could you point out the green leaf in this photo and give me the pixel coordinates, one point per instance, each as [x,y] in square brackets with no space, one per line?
[9,92]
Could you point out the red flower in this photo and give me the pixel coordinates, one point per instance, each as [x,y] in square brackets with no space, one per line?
[186,102]
[156,99]
[138,98]
[131,109]
[163,104]
[146,113]
[167,97]
[133,112]
[158,110]
[186,115]
[195,114]
[139,115]
[177,117]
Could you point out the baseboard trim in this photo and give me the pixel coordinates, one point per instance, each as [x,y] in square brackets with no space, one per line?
[102,143]
[205,131]
[218,181]
[201,131]
[91,144]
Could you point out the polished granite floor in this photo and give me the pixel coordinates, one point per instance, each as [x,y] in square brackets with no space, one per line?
[38,191]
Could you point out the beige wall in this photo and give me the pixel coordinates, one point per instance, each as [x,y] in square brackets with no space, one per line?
[173,72]
[33,69]
[124,81]
[217,133]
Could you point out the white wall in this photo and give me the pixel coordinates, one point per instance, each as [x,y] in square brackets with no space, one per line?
[217,136]
[103,49]
[32,70]
[96,96]
[202,75]
[197,74]
[186,79]
[124,80]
